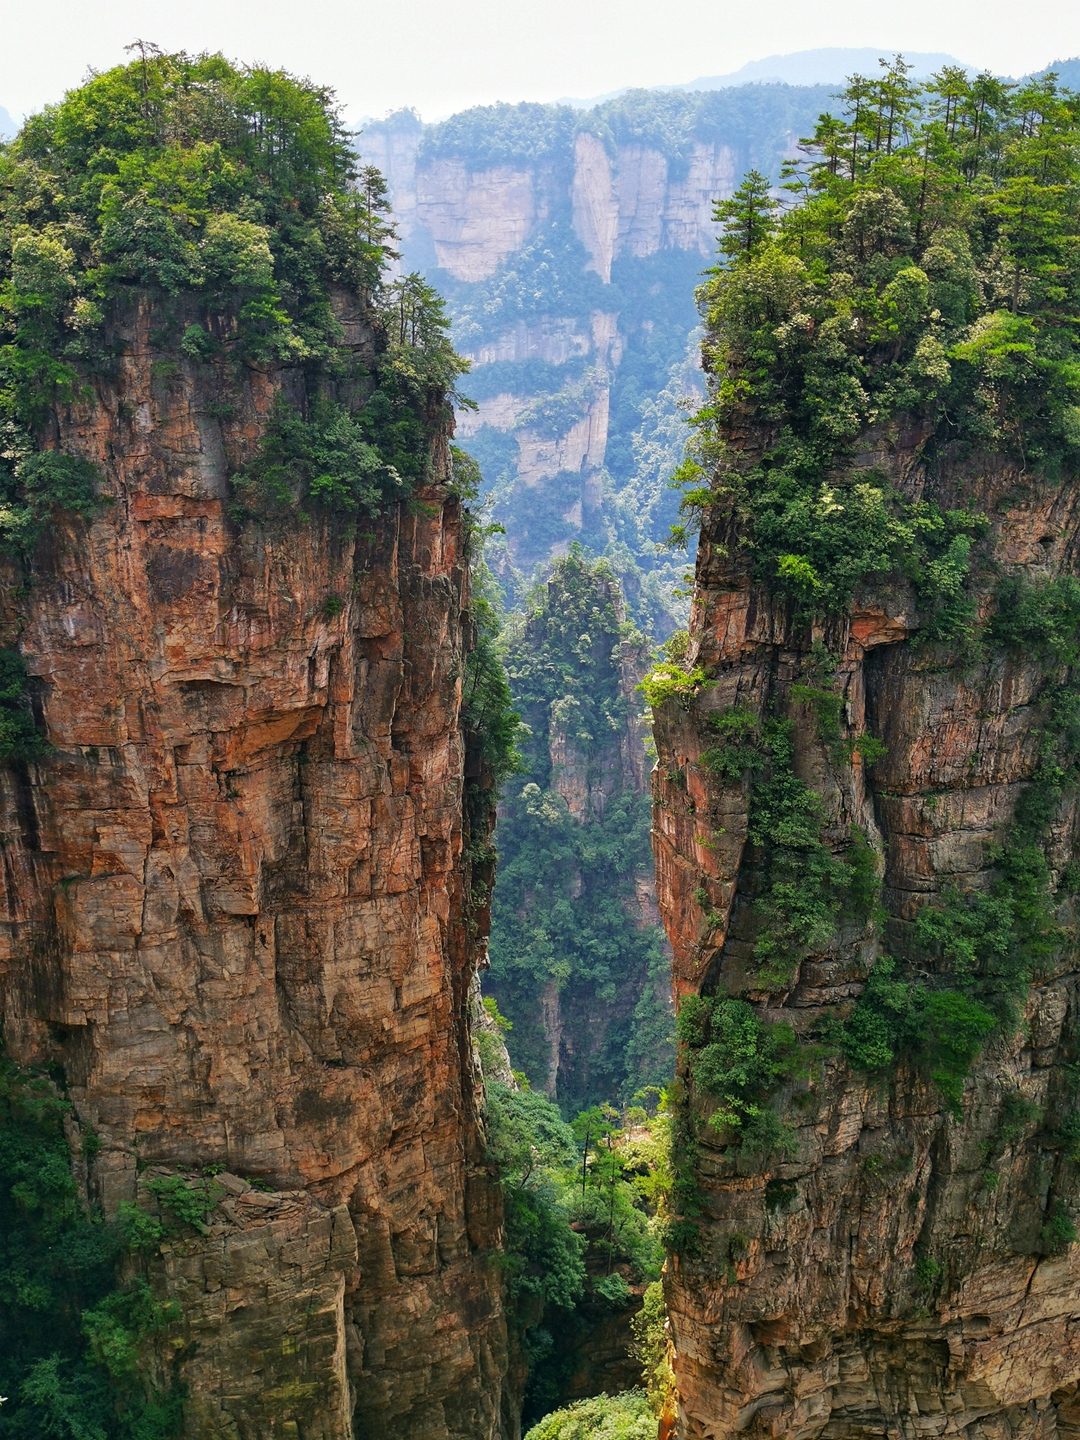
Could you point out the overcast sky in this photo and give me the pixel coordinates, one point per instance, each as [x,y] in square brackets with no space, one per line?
[443,55]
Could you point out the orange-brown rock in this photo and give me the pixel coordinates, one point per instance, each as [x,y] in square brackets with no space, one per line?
[805,1314]
[235,910]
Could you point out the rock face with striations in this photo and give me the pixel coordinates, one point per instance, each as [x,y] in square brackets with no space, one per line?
[235,909]
[893,1277]
[568,244]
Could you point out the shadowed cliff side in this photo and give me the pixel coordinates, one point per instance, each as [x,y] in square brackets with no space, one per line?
[242,896]
[865,801]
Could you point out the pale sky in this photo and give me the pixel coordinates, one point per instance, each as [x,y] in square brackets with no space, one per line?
[443,55]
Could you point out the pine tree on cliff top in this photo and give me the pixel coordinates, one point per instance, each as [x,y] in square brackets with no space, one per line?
[236,187]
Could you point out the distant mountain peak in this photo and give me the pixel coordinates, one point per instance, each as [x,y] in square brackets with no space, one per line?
[830,65]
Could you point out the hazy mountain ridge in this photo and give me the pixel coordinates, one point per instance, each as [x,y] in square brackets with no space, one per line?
[568,248]
[568,245]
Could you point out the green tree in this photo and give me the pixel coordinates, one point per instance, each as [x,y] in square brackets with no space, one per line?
[747,218]
[566,927]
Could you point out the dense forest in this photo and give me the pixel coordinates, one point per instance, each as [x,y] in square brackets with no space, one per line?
[578,960]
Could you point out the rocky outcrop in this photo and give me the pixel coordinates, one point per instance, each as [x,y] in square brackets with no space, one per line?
[235,908]
[623,201]
[471,219]
[475,220]
[894,1276]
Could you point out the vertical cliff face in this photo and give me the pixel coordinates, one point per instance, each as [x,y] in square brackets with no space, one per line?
[891,1275]
[866,810]
[236,913]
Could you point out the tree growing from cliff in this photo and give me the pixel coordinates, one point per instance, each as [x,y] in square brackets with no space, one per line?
[235,187]
[747,218]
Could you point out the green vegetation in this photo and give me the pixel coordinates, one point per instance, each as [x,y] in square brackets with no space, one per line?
[652,1348]
[1059,1231]
[804,888]
[740,1060]
[928,269]
[1038,620]
[737,750]
[984,948]
[670,679]
[941,1031]
[231,196]
[534,1148]
[492,726]
[603,1417]
[489,135]
[73,1339]
[325,459]
[20,738]
[486,702]
[180,174]
[803,882]
[566,924]
[582,1221]
[36,484]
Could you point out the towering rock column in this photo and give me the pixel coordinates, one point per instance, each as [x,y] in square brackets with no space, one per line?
[236,906]
[907,1268]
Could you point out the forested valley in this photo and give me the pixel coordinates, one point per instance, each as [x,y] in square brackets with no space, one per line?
[467,585]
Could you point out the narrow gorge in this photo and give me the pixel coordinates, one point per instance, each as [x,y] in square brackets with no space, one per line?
[349,1085]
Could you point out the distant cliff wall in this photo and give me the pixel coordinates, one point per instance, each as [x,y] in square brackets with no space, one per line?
[569,246]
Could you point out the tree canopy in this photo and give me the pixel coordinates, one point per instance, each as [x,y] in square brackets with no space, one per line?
[928,265]
[186,175]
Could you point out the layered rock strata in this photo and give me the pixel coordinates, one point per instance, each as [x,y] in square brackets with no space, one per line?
[895,1276]
[236,909]
[466,218]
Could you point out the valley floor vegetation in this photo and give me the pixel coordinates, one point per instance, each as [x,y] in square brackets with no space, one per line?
[585,1205]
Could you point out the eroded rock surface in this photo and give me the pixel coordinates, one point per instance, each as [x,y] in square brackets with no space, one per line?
[893,1278]
[234,911]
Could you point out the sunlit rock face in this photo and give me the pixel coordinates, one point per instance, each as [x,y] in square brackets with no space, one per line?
[235,910]
[896,1276]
